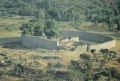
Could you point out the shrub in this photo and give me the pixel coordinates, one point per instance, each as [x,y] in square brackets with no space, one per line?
[118,60]
[12,27]
[104,51]
[85,57]
[92,51]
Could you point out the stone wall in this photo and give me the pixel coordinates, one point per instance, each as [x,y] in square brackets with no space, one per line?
[65,40]
[35,41]
[108,45]
[74,39]
[103,40]
[87,36]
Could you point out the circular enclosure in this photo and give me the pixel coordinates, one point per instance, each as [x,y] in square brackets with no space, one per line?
[101,41]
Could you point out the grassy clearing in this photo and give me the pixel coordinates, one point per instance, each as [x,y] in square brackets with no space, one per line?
[13,20]
[10,34]
[12,23]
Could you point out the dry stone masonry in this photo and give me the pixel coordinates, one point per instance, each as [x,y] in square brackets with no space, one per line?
[103,41]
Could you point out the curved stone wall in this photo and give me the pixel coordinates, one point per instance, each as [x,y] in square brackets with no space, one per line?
[87,36]
[103,40]
[108,45]
[35,41]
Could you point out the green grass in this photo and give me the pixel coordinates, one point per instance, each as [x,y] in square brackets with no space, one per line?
[12,23]
[13,20]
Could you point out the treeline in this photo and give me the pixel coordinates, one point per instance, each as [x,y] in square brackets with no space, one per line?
[96,11]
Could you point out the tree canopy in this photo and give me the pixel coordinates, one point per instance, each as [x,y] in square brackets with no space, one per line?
[38,28]
[100,11]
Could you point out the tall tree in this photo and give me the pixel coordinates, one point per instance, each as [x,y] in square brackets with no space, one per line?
[51,28]
[39,29]
[27,28]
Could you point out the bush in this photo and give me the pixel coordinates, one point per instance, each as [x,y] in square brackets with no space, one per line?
[85,57]
[118,60]
[59,65]
[12,27]
[112,72]
[104,51]
[92,51]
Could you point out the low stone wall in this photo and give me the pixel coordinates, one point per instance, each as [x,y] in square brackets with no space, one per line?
[103,40]
[35,41]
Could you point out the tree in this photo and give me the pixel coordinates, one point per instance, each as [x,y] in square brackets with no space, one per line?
[39,29]
[112,73]
[85,57]
[74,65]
[118,60]
[92,51]
[119,5]
[51,29]
[77,17]
[7,4]
[88,65]
[51,24]
[104,51]
[105,58]
[27,28]
[113,54]
[111,22]
[49,68]
[27,10]
[118,25]
[80,71]
[75,75]
[101,66]
[96,23]
[47,5]
[40,14]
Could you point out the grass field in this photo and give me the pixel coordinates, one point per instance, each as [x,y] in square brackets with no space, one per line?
[13,20]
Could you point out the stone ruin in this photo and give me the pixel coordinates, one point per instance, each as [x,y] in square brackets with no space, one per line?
[70,37]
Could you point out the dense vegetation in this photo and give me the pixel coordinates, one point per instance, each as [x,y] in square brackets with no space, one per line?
[41,28]
[96,11]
